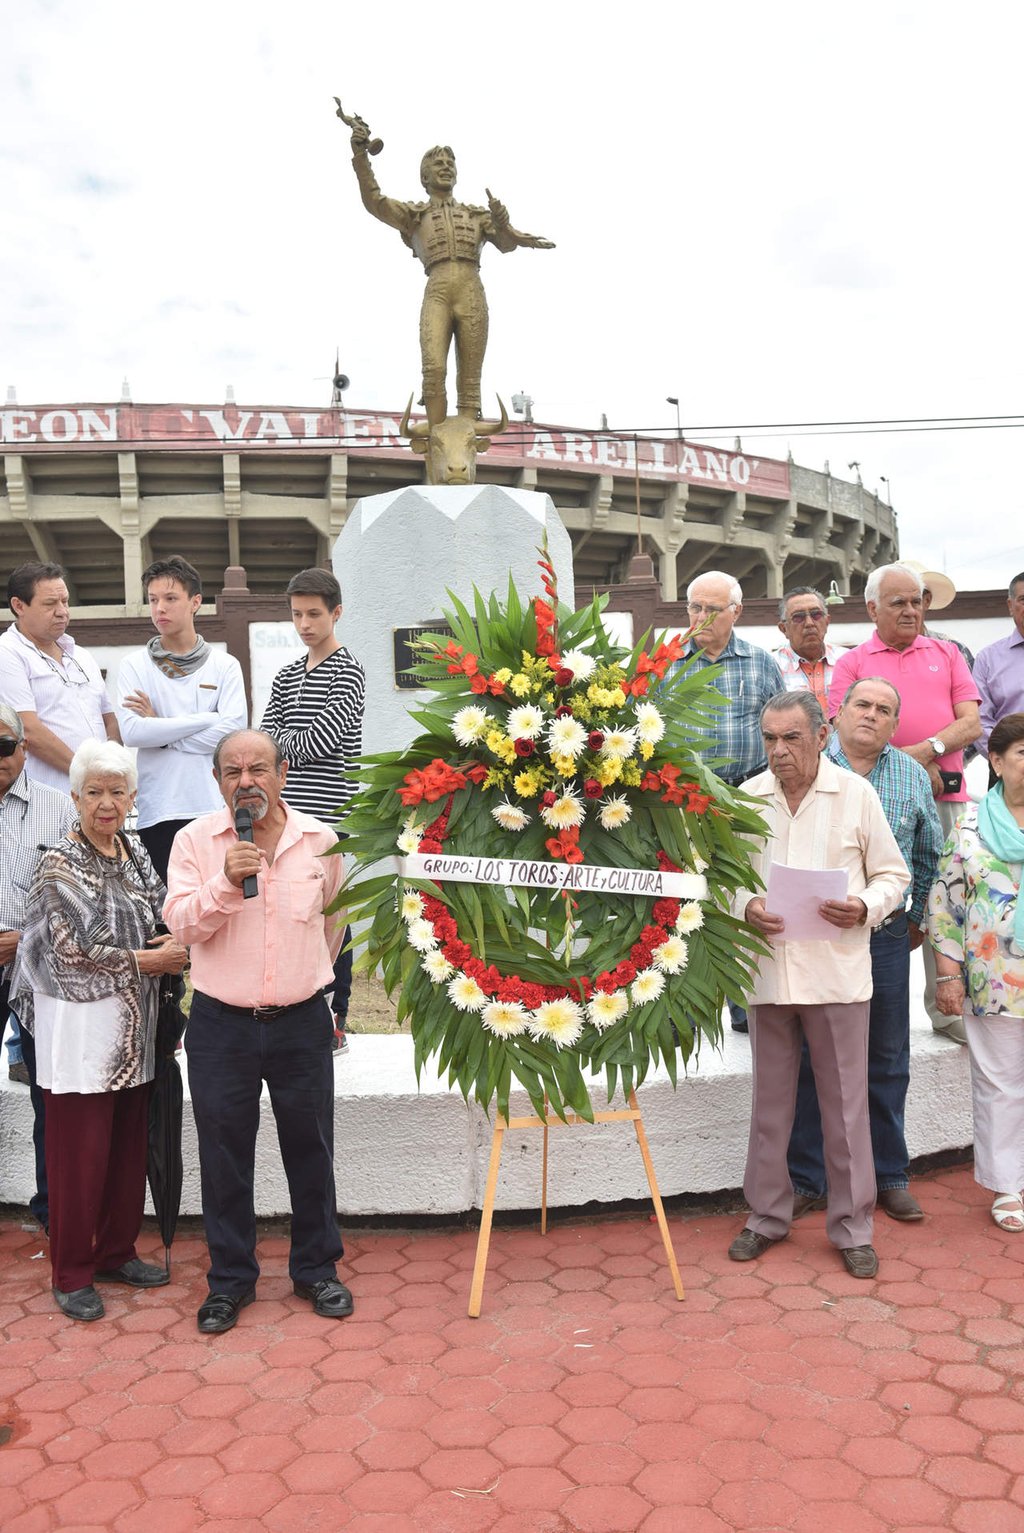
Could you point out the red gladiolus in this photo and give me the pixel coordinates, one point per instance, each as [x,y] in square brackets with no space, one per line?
[565,845]
[477,772]
[637,687]
[651,783]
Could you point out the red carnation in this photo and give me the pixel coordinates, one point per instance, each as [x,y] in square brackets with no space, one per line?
[549,799]
[625,972]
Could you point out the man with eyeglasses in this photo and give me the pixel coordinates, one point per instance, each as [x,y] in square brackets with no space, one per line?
[940,712]
[806,660]
[31,817]
[747,676]
[54,685]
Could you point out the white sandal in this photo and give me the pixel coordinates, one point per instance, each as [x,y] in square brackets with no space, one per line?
[1008,1213]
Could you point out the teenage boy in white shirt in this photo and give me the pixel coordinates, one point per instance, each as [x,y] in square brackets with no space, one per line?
[179,698]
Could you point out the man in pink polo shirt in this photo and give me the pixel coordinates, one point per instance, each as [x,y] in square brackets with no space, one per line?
[939,713]
[261,957]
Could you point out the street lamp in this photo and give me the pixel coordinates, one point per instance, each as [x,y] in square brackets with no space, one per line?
[888,489]
[670,399]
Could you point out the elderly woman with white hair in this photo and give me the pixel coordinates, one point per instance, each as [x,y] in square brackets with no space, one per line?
[86,986]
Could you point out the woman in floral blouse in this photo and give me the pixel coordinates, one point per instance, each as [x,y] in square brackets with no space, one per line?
[976,926]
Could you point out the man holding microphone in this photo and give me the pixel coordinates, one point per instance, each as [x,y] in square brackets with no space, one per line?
[260,960]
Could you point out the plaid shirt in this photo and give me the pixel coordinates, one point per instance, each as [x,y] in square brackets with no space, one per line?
[905,792]
[748,677]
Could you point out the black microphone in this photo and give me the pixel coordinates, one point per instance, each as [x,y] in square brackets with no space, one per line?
[243,828]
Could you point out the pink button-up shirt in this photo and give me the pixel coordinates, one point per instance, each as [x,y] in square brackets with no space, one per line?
[274,950]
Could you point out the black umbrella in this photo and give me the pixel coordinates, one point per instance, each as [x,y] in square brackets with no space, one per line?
[163,1161]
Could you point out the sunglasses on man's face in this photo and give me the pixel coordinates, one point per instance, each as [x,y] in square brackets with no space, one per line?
[8,745]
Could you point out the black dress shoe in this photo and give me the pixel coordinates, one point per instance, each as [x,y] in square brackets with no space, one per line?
[329,1297]
[749,1244]
[219,1311]
[80,1303]
[137,1274]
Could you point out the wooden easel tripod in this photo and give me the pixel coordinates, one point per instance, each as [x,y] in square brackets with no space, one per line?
[502,1125]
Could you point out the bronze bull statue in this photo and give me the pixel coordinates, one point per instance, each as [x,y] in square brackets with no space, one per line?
[451,446]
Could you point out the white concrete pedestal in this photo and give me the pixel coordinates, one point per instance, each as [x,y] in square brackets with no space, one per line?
[400,554]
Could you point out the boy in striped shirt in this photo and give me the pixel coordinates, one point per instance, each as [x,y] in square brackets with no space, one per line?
[315,713]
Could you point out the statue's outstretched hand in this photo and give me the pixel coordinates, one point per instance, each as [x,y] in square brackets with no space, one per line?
[500,220]
[498,210]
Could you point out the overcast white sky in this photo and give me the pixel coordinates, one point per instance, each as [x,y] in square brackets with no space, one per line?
[784,213]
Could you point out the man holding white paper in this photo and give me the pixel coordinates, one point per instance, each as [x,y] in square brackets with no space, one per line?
[824,821]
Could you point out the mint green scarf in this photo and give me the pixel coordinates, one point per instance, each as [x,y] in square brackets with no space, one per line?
[1002,835]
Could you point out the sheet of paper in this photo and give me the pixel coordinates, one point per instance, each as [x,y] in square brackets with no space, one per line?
[795,894]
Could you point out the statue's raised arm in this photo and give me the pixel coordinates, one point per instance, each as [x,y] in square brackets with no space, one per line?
[447,236]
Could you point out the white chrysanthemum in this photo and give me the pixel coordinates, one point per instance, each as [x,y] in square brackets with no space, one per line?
[647,986]
[560,1021]
[505,1019]
[690,917]
[605,1009]
[470,724]
[409,842]
[614,813]
[412,905]
[510,816]
[567,737]
[436,966]
[525,723]
[619,744]
[649,723]
[465,994]
[421,936]
[580,664]
[564,812]
[672,956]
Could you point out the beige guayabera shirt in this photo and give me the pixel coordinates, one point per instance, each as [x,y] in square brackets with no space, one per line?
[839,824]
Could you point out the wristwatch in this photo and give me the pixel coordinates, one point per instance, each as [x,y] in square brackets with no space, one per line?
[937,746]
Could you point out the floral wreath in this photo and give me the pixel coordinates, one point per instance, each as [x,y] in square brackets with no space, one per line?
[548,744]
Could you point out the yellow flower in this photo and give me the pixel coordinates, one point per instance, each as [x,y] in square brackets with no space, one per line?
[526,784]
[609,772]
[631,775]
[581,709]
[520,684]
[565,766]
[618,698]
[504,675]
[646,749]
[495,778]
[549,699]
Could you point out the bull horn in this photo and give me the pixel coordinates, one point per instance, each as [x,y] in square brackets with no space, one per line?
[418,431]
[493,428]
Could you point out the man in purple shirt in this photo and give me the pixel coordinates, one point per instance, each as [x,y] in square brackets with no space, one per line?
[999,669]
[939,714]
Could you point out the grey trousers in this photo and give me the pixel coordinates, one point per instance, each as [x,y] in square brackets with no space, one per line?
[837,1038]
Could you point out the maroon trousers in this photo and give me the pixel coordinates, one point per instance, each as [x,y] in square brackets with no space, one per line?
[96,1165]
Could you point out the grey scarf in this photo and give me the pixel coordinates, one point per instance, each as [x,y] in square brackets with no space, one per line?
[178,665]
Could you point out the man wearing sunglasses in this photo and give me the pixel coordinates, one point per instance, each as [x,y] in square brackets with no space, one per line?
[806,660]
[52,683]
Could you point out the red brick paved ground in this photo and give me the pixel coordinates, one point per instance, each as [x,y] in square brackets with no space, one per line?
[586,1399]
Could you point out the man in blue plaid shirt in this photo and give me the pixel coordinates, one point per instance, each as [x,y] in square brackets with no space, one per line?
[748,677]
[864,726]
